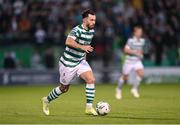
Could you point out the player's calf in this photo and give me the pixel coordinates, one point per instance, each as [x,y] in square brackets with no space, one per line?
[136,83]
[121,81]
[56,92]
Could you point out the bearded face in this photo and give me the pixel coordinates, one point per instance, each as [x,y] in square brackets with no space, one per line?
[90,21]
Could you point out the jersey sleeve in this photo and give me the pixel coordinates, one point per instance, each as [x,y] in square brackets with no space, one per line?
[143,41]
[74,34]
[128,43]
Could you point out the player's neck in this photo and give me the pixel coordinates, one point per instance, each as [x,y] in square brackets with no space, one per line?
[137,37]
[84,26]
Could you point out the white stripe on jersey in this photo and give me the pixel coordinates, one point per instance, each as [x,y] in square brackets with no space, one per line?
[73,37]
[74,51]
[86,36]
[67,62]
[72,57]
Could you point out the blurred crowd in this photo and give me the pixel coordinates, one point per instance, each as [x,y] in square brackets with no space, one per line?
[47,22]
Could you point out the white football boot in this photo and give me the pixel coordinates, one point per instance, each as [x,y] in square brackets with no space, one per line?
[45,103]
[118,94]
[90,111]
[135,93]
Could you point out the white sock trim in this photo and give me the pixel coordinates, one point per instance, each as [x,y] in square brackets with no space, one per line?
[89,105]
[121,80]
[138,78]
[90,85]
[58,90]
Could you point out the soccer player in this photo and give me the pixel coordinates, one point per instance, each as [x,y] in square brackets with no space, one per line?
[134,54]
[73,63]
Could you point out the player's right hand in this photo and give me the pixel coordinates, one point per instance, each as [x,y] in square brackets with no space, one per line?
[139,53]
[87,48]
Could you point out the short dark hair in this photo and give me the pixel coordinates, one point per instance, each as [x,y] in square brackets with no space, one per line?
[87,12]
[137,27]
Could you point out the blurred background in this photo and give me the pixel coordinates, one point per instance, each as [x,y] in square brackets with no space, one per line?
[33,32]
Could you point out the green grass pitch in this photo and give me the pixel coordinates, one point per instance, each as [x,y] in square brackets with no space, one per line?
[159,103]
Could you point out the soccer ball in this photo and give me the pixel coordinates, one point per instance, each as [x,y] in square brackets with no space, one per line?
[102,108]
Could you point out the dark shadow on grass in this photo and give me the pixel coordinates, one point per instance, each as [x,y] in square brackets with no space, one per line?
[141,118]
[107,117]
[121,117]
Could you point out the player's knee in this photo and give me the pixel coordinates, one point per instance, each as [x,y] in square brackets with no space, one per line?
[125,77]
[90,80]
[64,88]
[141,74]
[138,78]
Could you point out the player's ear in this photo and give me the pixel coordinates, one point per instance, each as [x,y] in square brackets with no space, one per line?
[85,19]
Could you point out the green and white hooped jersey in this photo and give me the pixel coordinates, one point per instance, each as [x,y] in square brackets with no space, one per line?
[134,44]
[72,56]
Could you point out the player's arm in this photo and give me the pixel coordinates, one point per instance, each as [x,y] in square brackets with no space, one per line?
[130,51]
[85,56]
[72,43]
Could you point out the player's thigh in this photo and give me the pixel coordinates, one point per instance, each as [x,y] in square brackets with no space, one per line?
[127,68]
[139,68]
[85,72]
[140,72]
[66,74]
